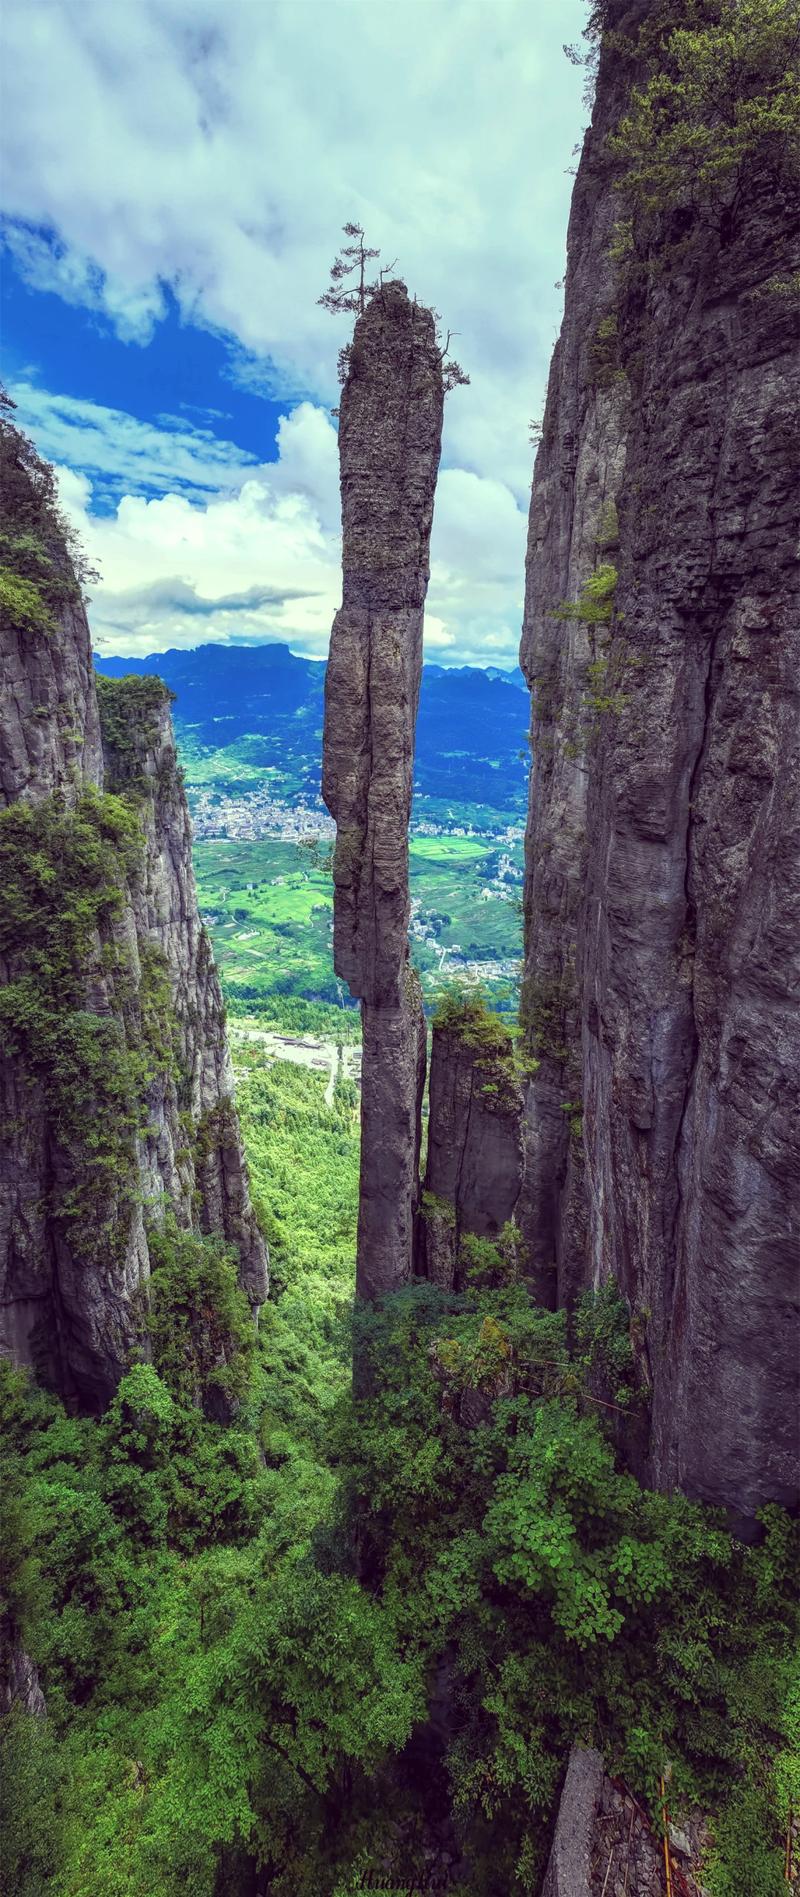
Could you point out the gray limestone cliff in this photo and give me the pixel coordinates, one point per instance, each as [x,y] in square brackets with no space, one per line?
[662,645]
[389,445]
[115,1079]
[474,1167]
[140,759]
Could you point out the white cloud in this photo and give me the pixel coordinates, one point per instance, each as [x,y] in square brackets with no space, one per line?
[251,565]
[477,571]
[122,452]
[259,558]
[77,279]
[308,462]
[218,145]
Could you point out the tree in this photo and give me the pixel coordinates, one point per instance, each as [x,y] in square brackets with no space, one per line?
[350,291]
[453,375]
[352,260]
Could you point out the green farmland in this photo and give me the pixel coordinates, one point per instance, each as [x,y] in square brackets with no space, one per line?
[268,904]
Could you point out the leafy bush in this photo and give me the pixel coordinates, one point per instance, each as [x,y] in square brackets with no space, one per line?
[722,92]
[519,1546]
[42,566]
[199,1322]
[595,603]
[21,601]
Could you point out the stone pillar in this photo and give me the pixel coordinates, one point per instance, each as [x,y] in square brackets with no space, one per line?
[389,445]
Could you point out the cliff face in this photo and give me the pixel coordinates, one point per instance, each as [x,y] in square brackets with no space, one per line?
[115,1083]
[474,1165]
[663,848]
[50,731]
[140,759]
[389,445]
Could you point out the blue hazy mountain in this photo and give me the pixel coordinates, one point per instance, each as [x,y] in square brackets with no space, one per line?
[264,705]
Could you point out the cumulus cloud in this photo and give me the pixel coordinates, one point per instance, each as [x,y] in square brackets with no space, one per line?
[218,147]
[252,565]
[259,559]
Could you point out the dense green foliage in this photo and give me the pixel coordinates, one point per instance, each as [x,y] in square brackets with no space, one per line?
[722,94]
[41,564]
[571,1600]
[304,1176]
[199,1321]
[238,1627]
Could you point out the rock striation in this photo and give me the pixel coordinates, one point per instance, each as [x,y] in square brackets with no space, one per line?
[115,1077]
[663,851]
[49,728]
[389,445]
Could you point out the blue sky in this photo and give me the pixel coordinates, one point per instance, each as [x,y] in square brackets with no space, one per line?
[174,177]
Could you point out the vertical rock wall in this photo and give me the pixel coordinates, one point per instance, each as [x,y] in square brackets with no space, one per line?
[94,1150]
[207,1185]
[663,850]
[49,728]
[474,1165]
[389,446]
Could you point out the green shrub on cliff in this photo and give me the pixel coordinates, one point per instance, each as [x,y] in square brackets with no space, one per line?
[22,602]
[42,566]
[574,1603]
[722,91]
[595,602]
[199,1322]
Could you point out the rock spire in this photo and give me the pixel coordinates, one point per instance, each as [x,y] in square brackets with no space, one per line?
[389,445]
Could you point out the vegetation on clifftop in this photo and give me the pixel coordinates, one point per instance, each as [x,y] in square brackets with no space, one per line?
[722,89]
[42,567]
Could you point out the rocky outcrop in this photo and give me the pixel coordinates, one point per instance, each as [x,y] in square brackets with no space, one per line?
[663,849]
[19,1681]
[474,1165]
[49,729]
[208,1182]
[606,1845]
[392,1085]
[115,1078]
[389,445]
[569,1869]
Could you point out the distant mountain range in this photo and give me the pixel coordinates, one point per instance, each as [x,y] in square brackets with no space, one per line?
[245,712]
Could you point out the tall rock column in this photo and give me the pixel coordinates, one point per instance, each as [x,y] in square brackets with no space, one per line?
[389,445]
